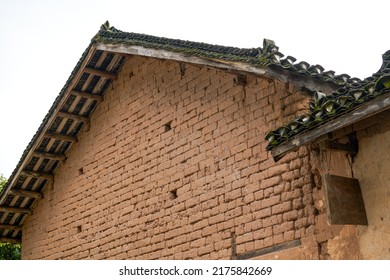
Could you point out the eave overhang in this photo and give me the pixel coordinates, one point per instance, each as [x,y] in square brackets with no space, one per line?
[320,133]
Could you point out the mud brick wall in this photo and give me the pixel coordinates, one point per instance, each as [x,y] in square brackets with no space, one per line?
[174,166]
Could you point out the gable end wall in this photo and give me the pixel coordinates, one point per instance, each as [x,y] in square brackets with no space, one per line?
[174,166]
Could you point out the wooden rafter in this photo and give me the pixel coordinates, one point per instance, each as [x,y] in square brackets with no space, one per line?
[101,73]
[87,95]
[26,193]
[37,174]
[16,210]
[59,157]
[60,136]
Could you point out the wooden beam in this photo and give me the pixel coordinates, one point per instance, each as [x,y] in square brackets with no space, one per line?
[10,240]
[16,210]
[269,250]
[338,147]
[73,116]
[59,157]
[101,73]
[11,227]
[60,136]
[364,111]
[87,95]
[37,174]
[26,193]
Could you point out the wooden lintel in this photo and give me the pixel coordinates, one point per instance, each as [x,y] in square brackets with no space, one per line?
[10,240]
[16,210]
[26,193]
[73,116]
[59,157]
[339,147]
[10,227]
[37,174]
[87,95]
[364,111]
[60,136]
[101,73]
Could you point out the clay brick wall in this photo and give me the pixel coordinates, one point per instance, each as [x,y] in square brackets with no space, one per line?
[174,166]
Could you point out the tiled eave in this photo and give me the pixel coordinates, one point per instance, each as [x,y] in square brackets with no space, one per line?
[320,133]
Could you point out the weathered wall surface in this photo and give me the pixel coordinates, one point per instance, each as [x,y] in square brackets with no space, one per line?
[372,168]
[335,241]
[174,166]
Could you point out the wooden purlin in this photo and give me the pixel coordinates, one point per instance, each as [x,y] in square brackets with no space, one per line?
[73,116]
[10,240]
[15,210]
[87,95]
[11,227]
[60,136]
[100,73]
[26,193]
[37,174]
[59,157]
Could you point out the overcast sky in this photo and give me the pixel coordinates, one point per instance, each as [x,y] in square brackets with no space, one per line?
[41,42]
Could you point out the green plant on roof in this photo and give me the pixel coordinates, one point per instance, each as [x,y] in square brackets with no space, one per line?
[269,53]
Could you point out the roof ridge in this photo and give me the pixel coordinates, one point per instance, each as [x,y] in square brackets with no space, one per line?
[267,55]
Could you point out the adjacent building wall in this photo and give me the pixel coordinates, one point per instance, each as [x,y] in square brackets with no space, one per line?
[174,166]
[372,168]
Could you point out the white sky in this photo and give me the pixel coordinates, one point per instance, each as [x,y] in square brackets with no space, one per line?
[42,40]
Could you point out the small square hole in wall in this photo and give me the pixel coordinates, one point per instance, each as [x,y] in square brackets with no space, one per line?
[79,229]
[81,171]
[167,126]
[173,194]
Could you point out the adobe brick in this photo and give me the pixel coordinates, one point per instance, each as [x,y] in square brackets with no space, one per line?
[259,195]
[297,204]
[283,207]
[268,202]
[270,221]
[284,227]
[268,192]
[198,243]
[268,241]
[273,181]
[260,214]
